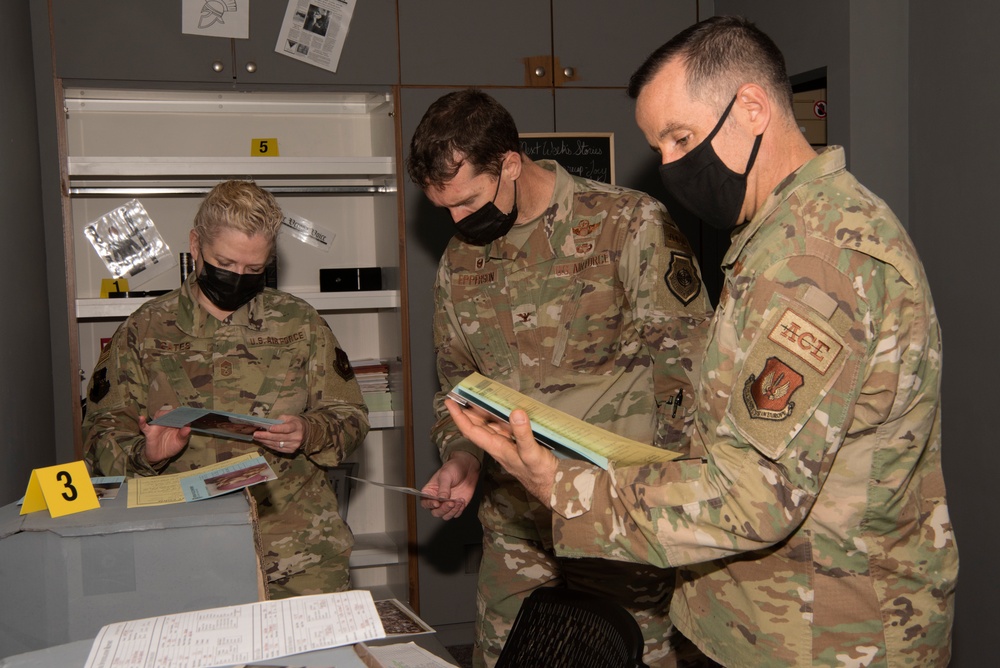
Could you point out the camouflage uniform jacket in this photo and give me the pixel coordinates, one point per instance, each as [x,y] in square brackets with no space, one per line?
[275,356]
[599,314]
[815,531]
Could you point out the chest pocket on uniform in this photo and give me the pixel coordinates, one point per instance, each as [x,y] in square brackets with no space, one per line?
[589,335]
[284,389]
[479,319]
[179,374]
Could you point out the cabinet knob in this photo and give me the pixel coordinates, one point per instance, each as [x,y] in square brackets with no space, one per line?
[251,67]
[218,66]
[539,71]
[568,72]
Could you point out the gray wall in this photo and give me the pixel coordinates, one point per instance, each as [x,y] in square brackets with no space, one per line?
[863,46]
[954,137]
[911,90]
[28,440]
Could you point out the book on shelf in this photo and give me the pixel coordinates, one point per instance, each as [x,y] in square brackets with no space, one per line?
[373,379]
[378,402]
[565,435]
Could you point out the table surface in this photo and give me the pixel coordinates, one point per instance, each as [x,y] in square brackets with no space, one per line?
[221,510]
[74,655]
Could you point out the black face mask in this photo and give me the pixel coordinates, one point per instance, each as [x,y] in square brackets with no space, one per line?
[701,187]
[488,223]
[227,289]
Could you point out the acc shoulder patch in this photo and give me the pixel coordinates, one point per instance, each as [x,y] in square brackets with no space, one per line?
[682,278]
[793,362]
[768,395]
[343,365]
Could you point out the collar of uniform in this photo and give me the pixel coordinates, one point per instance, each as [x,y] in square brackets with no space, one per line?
[553,226]
[827,162]
[194,320]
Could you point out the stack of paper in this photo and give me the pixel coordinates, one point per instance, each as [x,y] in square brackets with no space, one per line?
[239,634]
[373,377]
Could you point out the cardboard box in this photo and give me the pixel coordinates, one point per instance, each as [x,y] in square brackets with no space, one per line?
[810,104]
[63,579]
[810,114]
[814,130]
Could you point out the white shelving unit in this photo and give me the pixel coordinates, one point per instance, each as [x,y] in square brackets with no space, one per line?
[336,166]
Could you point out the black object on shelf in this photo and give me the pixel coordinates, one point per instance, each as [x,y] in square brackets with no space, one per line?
[137,293]
[351,279]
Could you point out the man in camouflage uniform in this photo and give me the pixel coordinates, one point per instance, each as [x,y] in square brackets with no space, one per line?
[271,356]
[814,531]
[589,300]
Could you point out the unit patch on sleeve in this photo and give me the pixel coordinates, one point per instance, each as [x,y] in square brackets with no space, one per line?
[99,386]
[343,365]
[802,338]
[794,360]
[682,278]
[768,395]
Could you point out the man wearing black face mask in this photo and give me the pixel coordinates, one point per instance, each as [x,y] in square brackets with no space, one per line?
[224,341]
[815,529]
[580,294]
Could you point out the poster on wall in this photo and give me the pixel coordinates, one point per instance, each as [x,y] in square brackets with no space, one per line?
[587,154]
[216,18]
[313,31]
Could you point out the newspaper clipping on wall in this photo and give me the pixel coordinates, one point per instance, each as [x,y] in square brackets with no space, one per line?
[314,31]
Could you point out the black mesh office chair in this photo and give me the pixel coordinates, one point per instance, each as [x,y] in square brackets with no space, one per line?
[562,628]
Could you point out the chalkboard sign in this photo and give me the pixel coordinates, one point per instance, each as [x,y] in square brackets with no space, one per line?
[587,154]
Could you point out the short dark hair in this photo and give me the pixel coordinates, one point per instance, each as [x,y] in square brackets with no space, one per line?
[721,54]
[467,122]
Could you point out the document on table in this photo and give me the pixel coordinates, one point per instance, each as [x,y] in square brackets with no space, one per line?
[239,633]
[163,490]
[400,655]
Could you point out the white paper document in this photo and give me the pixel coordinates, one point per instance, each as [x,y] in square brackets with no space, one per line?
[403,655]
[240,633]
[314,31]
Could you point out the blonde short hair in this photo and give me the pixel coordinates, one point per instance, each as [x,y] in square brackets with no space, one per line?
[238,205]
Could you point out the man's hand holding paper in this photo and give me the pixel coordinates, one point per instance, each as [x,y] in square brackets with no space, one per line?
[456,482]
[516,451]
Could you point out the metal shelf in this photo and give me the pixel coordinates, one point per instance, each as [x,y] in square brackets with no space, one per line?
[138,191]
[385,419]
[132,167]
[378,549]
[322,301]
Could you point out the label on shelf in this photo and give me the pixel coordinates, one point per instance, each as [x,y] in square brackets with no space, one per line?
[264,147]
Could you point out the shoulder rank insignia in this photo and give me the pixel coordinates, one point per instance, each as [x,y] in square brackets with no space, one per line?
[682,278]
[343,365]
[768,395]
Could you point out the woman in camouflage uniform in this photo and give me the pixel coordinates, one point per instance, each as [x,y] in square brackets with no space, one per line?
[224,341]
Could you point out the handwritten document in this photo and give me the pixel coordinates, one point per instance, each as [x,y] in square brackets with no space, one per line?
[565,434]
[238,634]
